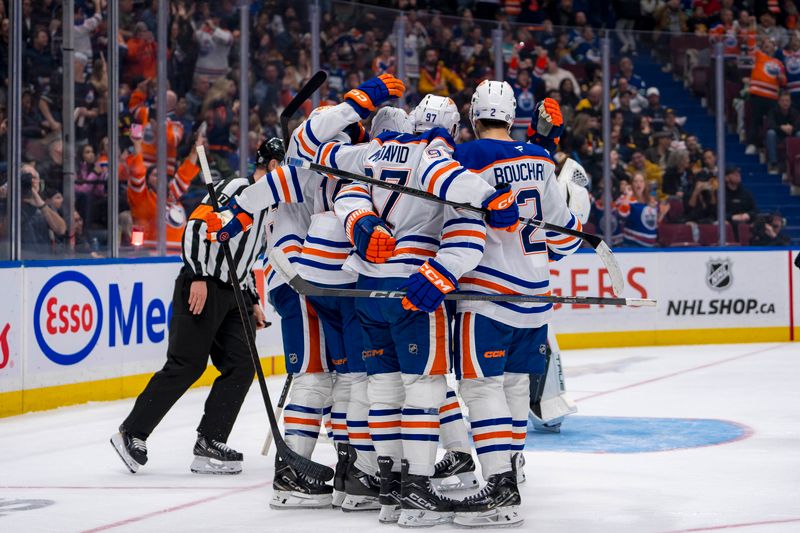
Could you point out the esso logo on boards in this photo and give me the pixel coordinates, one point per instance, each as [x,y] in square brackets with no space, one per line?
[68,317]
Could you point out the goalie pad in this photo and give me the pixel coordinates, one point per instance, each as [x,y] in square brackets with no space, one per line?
[549,401]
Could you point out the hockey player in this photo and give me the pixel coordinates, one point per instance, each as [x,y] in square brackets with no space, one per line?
[321,335]
[406,352]
[499,344]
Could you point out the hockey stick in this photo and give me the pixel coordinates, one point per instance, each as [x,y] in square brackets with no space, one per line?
[596,242]
[292,458]
[299,99]
[281,263]
[287,384]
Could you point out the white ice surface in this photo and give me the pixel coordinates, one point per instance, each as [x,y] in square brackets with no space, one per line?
[747,485]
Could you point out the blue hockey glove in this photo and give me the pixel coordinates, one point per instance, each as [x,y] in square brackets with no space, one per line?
[503,209]
[227,223]
[547,125]
[370,235]
[426,288]
[369,95]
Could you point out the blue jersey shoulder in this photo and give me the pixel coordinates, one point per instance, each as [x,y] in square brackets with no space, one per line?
[479,154]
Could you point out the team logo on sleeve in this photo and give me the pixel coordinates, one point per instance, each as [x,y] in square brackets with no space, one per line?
[719,274]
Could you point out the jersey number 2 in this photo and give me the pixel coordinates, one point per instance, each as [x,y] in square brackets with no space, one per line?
[525,196]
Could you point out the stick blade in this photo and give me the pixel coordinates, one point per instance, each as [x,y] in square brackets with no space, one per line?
[303,464]
[283,266]
[640,302]
[614,271]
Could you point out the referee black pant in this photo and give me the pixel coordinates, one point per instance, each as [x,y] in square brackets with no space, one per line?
[218,332]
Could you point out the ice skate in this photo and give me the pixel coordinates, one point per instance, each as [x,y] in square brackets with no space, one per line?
[214,457]
[420,505]
[362,491]
[131,450]
[297,491]
[496,505]
[343,458]
[390,491]
[456,471]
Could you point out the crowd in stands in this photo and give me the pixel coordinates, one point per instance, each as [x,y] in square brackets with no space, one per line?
[551,48]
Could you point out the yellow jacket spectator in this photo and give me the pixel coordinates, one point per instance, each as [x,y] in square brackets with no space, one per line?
[651,171]
[435,78]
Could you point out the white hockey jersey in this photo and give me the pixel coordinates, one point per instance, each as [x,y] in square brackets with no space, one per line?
[424,162]
[517,262]
[302,225]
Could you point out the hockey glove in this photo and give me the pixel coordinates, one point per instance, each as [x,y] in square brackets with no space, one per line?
[227,223]
[426,288]
[503,209]
[547,125]
[373,92]
[370,235]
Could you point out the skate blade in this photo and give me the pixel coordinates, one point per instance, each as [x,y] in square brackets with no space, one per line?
[496,518]
[207,465]
[462,481]
[389,514]
[353,503]
[293,500]
[419,518]
[338,498]
[119,447]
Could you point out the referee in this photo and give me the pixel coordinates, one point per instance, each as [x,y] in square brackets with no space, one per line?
[205,320]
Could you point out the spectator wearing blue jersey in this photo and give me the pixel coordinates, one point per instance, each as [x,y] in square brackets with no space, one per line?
[641,213]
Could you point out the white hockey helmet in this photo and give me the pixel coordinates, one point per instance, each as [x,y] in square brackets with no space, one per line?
[390,119]
[493,100]
[436,112]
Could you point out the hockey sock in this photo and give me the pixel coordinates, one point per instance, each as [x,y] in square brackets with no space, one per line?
[420,421]
[357,426]
[518,393]
[327,425]
[386,395]
[310,394]
[341,398]
[490,419]
[452,430]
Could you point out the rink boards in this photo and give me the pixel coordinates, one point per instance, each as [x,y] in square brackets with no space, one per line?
[72,331]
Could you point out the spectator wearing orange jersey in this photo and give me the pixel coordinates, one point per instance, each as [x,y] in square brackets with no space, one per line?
[139,106]
[143,199]
[141,58]
[766,79]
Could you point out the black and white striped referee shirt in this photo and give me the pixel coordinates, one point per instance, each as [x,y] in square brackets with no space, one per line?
[205,259]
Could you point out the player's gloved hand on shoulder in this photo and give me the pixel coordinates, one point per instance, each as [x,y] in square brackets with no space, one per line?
[503,209]
[370,235]
[426,288]
[547,125]
[369,95]
[228,222]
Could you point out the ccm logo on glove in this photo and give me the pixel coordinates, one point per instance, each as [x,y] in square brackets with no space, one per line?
[439,281]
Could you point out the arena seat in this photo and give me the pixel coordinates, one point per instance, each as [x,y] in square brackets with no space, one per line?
[744,229]
[709,234]
[793,159]
[675,235]
[675,214]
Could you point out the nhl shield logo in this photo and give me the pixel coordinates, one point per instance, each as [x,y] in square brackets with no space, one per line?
[719,274]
